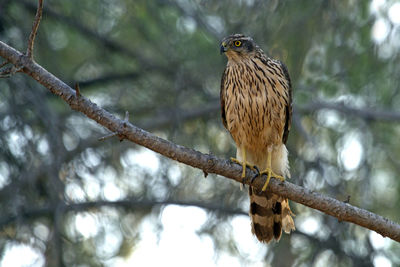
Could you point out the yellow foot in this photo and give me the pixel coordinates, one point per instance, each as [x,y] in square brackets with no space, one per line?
[270,174]
[244,165]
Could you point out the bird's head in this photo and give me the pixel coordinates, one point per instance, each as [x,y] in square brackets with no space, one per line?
[237,46]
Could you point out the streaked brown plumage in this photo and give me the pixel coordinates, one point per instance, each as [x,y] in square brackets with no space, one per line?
[256,106]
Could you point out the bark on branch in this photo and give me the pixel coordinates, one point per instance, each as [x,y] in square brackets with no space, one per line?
[206,162]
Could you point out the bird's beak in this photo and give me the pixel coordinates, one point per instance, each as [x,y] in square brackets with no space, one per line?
[223,48]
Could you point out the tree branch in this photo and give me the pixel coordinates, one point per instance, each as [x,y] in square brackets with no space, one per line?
[206,162]
[35,27]
[135,204]
[48,210]
[364,113]
[214,106]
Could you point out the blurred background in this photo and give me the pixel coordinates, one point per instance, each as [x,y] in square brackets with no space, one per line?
[68,199]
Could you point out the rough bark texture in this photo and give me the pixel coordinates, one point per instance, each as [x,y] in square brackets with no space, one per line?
[207,162]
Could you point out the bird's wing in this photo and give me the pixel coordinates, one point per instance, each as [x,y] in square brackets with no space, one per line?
[222,98]
[288,107]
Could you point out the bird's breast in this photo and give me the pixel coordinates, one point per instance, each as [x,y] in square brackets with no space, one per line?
[252,109]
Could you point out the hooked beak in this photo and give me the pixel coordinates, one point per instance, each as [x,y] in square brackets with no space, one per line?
[223,48]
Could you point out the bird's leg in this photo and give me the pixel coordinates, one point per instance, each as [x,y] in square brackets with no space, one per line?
[244,163]
[268,171]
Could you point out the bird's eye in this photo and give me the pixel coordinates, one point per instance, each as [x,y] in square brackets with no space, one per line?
[238,43]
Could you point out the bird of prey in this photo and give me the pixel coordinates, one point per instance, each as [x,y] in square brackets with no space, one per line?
[256,107]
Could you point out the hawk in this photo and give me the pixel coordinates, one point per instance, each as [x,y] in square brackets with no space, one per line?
[256,107]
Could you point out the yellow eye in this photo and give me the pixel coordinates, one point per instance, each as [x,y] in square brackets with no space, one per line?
[238,43]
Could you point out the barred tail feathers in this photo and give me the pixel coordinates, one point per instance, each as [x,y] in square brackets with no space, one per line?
[270,213]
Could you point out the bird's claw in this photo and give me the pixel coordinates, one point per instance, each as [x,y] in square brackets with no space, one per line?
[255,176]
[244,166]
[269,174]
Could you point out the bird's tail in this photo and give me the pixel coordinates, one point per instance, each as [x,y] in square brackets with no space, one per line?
[270,213]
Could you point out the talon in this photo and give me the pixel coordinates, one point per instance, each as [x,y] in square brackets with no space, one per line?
[243,185]
[255,168]
[244,165]
[254,177]
[257,174]
[268,178]
[236,161]
[270,174]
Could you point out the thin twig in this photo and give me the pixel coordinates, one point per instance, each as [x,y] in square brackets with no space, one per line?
[5,73]
[121,137]
[77,90]
[103,138]
[4,63]
[9,71]
[126,116]
[35,27]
